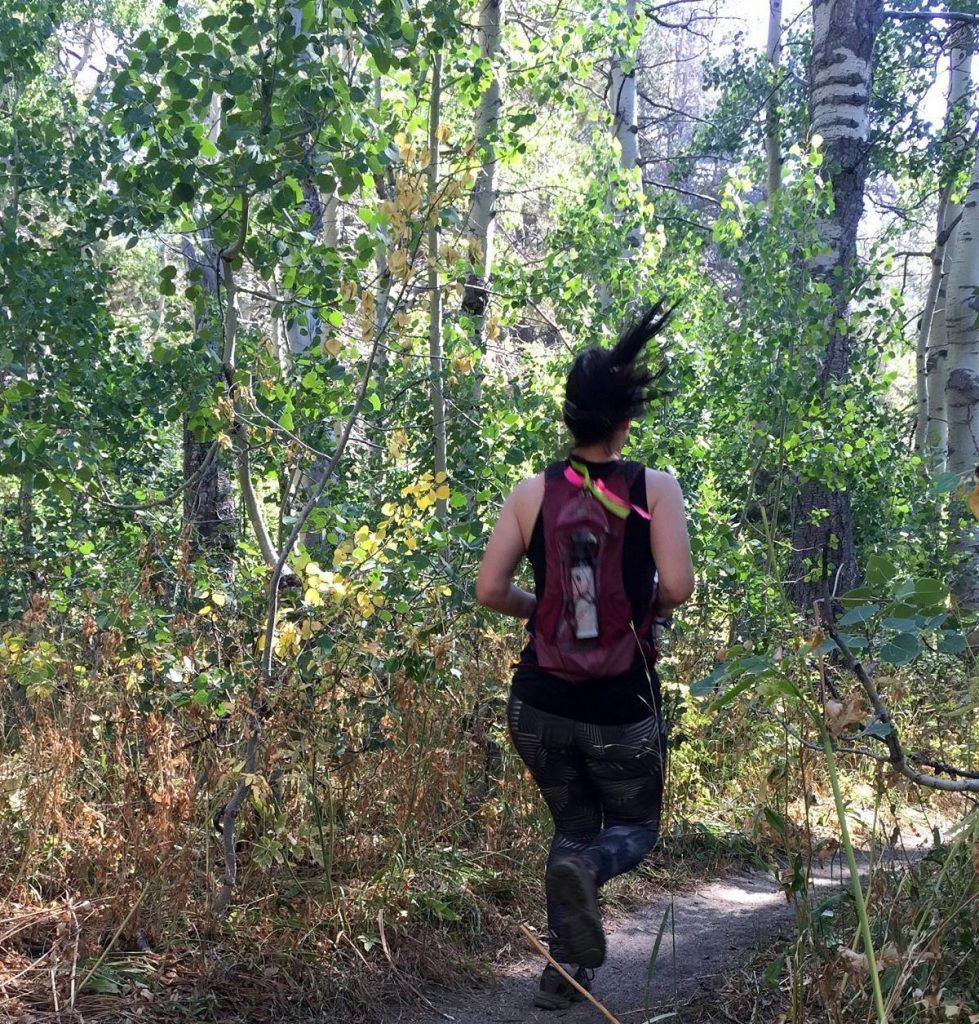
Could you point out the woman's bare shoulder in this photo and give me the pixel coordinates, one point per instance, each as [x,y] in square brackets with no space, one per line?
[660,484]
[528,492]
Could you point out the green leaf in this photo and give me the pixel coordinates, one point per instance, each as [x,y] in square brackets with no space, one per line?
[773,971]
[880,571]
[944,483]
[855,643]
[102,984]
[706,686]
[900,649]
[754,664]
[904,625]
[861,613]
[859,595]
[928,593]
[786,686]
[952,642]
[776,821]
[733,691]
[183,192]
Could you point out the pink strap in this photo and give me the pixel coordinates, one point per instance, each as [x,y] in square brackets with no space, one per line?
[575,478]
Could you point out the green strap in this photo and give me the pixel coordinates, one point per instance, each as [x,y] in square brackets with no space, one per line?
[607,500]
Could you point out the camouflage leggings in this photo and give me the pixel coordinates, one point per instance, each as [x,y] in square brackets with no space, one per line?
[603,785]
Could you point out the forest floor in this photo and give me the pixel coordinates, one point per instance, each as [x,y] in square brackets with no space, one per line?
[713,930]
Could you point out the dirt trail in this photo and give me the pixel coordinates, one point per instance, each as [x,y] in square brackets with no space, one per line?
[716,926]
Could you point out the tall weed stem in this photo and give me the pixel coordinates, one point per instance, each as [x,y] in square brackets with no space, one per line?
[851,860]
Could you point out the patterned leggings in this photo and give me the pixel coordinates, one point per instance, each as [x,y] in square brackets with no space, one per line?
[603,785]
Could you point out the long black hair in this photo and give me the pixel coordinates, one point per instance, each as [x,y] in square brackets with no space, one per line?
[609,385]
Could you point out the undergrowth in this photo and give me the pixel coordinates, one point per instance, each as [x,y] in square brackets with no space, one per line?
[923,907]
[393,842]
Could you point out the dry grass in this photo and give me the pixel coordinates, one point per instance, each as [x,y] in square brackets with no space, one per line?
[387,838]
[393,841]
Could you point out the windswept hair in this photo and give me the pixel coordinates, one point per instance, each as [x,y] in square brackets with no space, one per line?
[609,385]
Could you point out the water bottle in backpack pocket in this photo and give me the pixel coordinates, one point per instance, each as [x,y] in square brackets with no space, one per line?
[584,592]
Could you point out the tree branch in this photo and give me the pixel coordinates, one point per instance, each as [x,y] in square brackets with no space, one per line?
[957,16]
[677,188]
[968,782]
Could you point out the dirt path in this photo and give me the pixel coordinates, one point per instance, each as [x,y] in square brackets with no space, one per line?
[716,926]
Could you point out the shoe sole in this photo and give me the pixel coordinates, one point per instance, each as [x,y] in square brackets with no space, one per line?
[553,1001]
[546,1001]
[582,936]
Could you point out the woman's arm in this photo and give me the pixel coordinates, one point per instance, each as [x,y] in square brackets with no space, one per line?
[494,585]
[669,540]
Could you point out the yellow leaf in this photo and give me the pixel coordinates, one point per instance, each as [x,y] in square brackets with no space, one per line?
[461,363]
[219,599]
[973,501]
[332,346]
[313,597]
[443,493]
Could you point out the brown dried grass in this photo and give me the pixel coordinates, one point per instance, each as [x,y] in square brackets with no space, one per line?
[355,887]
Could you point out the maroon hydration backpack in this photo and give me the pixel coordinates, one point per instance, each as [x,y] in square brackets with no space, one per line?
[583,626]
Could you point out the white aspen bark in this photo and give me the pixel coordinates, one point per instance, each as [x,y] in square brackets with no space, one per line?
[253,507]
[303,326]
[962,386]
[958,115]
[380,253]
[936,367]
[624,104]
[773,52]
[624,107]
[931,427]
[11,222]
[436,362]
[482,213]
[844,32]
[962,335]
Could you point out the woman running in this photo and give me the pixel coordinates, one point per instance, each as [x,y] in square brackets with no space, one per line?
[607,540]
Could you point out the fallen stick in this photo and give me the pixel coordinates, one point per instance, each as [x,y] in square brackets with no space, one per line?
[535,942]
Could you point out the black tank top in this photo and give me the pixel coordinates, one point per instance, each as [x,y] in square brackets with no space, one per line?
[615,700]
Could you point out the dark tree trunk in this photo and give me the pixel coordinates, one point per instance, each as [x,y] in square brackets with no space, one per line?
[209,507]
[844,32]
